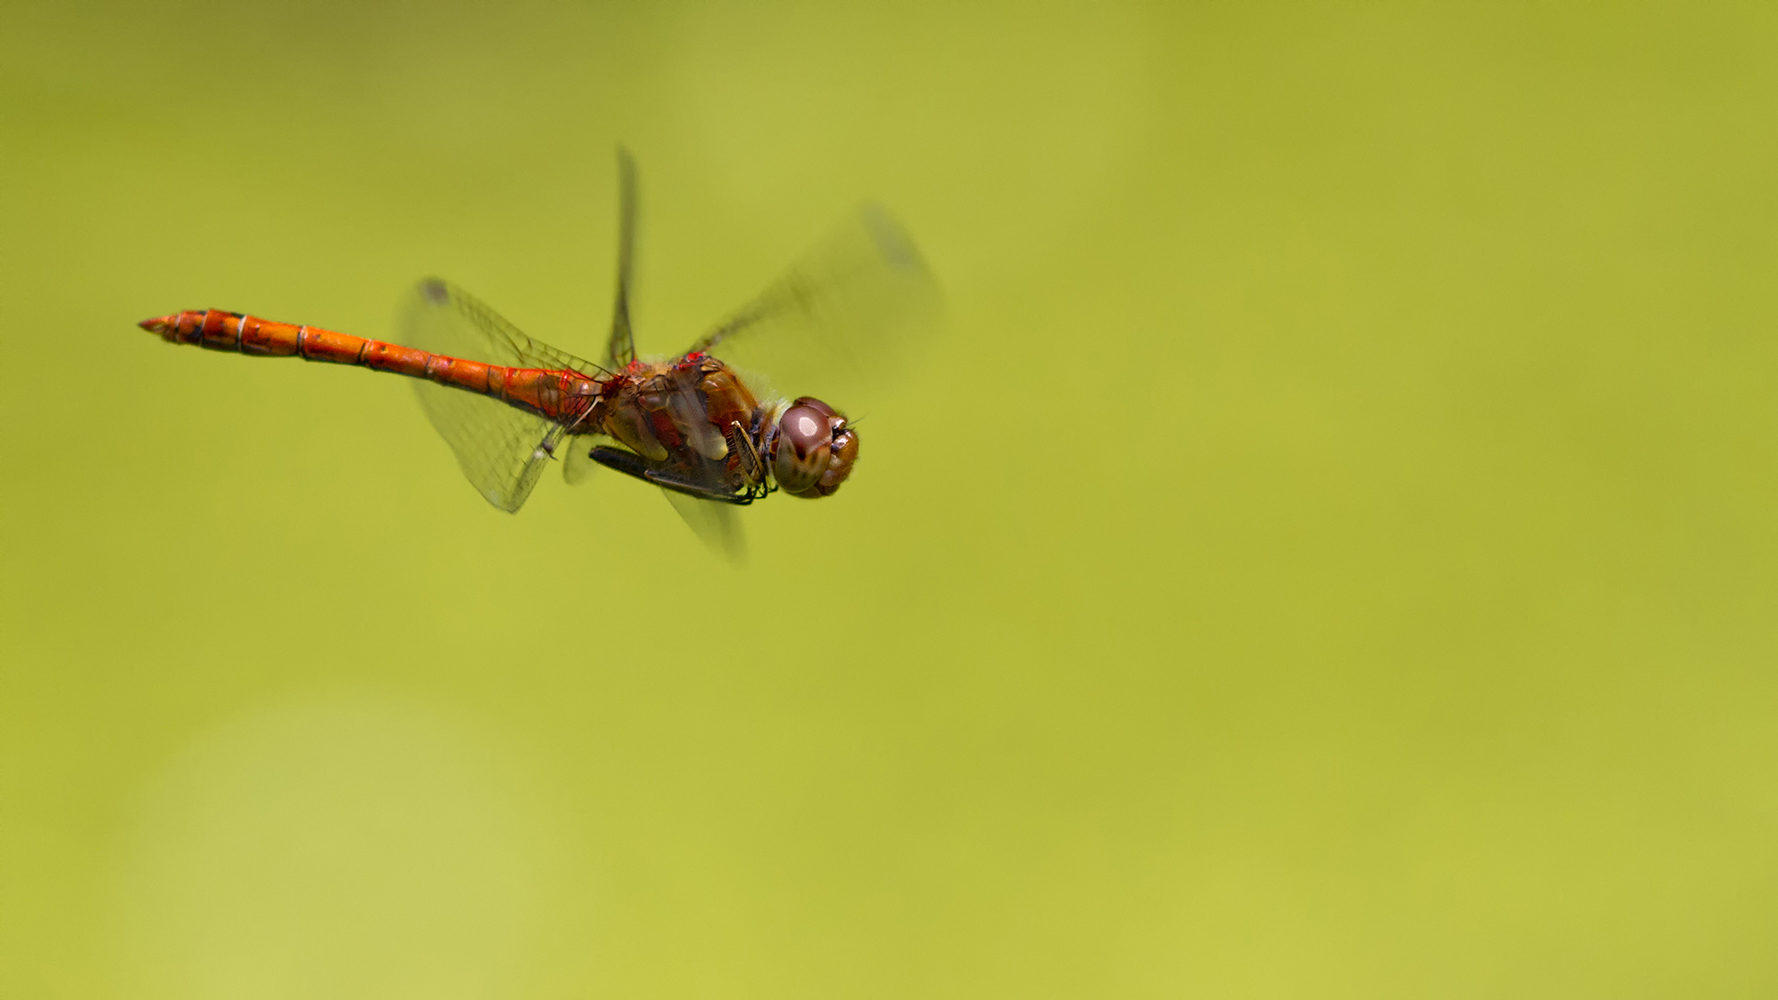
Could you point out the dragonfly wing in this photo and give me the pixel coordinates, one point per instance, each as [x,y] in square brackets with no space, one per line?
[716,523]
[713,521]
[621,349]
[502,450]
[852,313]
[577,463]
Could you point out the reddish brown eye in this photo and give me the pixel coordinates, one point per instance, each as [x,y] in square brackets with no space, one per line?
[815,404]
[800,454]
[805,428]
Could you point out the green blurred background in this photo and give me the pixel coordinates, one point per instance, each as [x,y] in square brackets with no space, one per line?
[1329,554]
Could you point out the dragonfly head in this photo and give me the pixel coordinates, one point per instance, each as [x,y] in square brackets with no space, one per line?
[813,451]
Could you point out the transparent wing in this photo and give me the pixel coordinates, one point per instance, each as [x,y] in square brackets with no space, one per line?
[482,333]
[501,450]
[621,349]
[577,467]
[714,523]
[717,524]
[854,313]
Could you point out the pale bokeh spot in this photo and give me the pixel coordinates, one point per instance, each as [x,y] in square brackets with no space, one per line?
[346,848]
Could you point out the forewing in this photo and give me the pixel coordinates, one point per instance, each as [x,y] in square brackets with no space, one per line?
[620,350]
[717,524]
[853,314]
[502,450]
[482,335]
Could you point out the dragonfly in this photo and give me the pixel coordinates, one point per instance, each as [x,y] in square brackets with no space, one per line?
[704,425]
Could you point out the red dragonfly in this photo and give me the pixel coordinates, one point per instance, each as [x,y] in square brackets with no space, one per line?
[706,431]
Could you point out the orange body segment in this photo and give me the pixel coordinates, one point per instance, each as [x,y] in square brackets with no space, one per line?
[559,395]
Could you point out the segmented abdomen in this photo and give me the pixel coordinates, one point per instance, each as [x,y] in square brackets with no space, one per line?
[557,395]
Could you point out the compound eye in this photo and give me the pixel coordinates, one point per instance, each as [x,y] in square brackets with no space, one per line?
[804,428]
[815,404]
[804,439]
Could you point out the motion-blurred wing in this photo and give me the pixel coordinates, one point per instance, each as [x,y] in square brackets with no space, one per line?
[620,350]
[852,313]
[501,450]
[716,523]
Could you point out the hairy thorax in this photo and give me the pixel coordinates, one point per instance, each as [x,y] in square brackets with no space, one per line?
[684,411]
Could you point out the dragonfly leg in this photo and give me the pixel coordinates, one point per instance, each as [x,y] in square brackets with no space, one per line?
[752,466]
[619,460]
[631,464]
[668,482]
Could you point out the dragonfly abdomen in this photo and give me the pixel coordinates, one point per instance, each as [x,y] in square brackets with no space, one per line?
[543,391]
